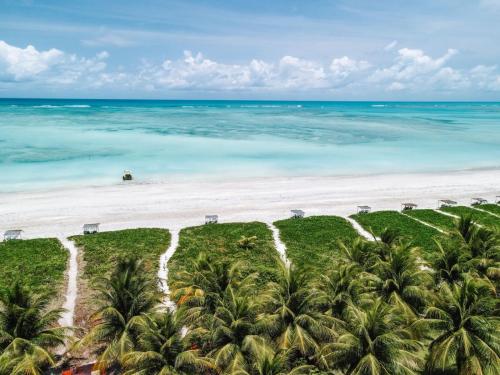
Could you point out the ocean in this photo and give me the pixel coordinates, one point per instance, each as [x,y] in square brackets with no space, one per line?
[51,143]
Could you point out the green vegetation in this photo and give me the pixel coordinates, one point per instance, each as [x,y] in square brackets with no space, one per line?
[102,250]
[493,208]
[480,217]
[29,336]
[378,309]
[433,217]
[38,264]
[313,241]
[421,235]
[250,243]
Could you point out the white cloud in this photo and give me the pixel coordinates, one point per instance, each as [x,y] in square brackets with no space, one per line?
[51,66]
[343,67]
[411,71]
[25,63]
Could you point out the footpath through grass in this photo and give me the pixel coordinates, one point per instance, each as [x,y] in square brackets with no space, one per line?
[101,250]
[480,217]
[493,208]
[421,235]
[433,217]
[312,241]
[39,264]
[220,243]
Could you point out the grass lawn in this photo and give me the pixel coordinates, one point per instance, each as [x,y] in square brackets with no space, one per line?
[434,218]
[220,242]
[493,208]
[480,217]
[421,234]
[101,250]
[311,242]
[39,264]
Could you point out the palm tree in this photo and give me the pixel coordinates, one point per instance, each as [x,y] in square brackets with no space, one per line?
[233,325]
[265,360]
[388,238]
[125,295]
[200,290]
[291,320]
[403,279]
[160,348]
[28,331]
[341,287]
[373,342]
[449,262]
[358,252]
[468,327]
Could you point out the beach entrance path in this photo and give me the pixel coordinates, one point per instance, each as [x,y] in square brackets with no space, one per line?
[163,269]
[479,216]
[99,252]
[433,217]
[422,235]
[312,242]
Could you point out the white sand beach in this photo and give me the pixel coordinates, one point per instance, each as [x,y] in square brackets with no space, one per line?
[176,204]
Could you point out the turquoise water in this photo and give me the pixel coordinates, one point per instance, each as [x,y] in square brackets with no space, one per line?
[50,143]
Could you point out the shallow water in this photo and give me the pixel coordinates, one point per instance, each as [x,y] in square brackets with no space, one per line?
[52,143]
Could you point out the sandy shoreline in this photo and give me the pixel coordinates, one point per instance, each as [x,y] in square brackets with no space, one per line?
[177,204]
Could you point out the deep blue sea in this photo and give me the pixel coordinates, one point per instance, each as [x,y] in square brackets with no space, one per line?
[50,143]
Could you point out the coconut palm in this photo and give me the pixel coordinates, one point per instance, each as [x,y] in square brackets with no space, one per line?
[469,331]
[28,331]
[123,296]
[403,279]
[374,341]
[265,360]
[341,287]
[358,252]
[388,237]
[291,320]
[233,325]
[160,348]
[200,290]
[449,261]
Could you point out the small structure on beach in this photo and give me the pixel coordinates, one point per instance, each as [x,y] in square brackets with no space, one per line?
[446,203]
[127,175]
[91,228]
[408,206]
[211,219]
[12,234]
[297,214]
[478,201]
[364,209]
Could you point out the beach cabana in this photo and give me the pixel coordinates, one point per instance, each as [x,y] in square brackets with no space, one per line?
[446,203]
[12,234]
[478,201]
[297,214]
[127,175]
[90,228]
[364,209]
[408,206]
[211,219]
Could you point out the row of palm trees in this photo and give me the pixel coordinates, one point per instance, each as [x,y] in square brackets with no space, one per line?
[381,309]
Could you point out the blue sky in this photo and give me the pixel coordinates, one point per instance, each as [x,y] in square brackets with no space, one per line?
[338,50]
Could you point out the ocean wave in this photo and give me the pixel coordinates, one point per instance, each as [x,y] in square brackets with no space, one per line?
[379,105]
[62,106]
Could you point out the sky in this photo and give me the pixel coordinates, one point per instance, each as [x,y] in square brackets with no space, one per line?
[251,49]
